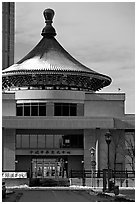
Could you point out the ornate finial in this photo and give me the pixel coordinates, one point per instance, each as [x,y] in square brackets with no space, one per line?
[48,14]
[48,31]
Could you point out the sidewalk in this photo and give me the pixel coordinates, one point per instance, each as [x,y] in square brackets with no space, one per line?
[51,188]
[127,193]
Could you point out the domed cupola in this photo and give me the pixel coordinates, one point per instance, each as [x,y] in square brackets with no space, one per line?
[50,66]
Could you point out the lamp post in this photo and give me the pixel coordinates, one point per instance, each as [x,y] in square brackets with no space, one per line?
[83,173]
[108,141]
[66,168]
[93,164]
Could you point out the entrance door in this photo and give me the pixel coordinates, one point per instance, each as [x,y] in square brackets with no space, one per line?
[43,168]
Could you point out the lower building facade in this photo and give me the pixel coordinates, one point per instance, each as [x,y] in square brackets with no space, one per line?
[51,132]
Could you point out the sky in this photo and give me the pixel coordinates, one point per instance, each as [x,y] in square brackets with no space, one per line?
[99,35]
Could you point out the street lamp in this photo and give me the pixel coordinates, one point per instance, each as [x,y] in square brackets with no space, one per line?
[83,173]
[93,164]
[108,141]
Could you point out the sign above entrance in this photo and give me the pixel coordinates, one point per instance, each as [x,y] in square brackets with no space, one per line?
[50,152]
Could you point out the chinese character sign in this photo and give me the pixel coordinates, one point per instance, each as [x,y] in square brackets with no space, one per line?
[14,174]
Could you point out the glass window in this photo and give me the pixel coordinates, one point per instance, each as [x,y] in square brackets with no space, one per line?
[58,141]
[73,109]
[65,110]
[27,109]
[66,141]
[57,110]
[19,110]
[42,109]
[49,141]
[74,140]
[31,109]
[80,140]
[34,109]
[33,141]
[18,141]
[25,141]
[41,141]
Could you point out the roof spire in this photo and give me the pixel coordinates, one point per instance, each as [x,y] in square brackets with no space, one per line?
[48,30]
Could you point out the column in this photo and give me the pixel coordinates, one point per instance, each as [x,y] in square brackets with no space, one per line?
[89,141]
[80,109]
[97,148]
[50,109]
[8,149]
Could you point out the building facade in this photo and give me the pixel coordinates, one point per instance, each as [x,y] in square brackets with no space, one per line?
[8,13]
[52,115]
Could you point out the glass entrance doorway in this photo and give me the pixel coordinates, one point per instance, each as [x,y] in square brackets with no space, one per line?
[44,168]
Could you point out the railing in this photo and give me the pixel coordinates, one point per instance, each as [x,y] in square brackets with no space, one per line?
[99,174]
[83,177]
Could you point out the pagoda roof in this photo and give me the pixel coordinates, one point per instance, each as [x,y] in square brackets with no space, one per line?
[49,58]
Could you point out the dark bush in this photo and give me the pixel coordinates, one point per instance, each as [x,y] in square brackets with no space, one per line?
[34,182]
[49,182]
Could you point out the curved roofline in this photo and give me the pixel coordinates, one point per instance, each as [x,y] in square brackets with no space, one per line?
[23,72]
[48,57]
[57,48]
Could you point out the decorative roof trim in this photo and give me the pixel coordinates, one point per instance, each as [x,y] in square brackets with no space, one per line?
[49,62]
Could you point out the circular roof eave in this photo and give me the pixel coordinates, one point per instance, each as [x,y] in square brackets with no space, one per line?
[48,57]
[101,80]
[56,71]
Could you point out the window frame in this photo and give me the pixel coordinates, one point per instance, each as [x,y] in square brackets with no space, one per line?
[30,106]
[59,109]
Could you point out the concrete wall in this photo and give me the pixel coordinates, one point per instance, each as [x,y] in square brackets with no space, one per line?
[57,122]
[51,95]
[104,105]
[50,132]
[8,136]
[80,109]
[8,104]
[104,108]
[89,104]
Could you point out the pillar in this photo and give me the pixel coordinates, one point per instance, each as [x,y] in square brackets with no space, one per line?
[50,109]
[80,109]
[8,149]
[89,141]
[97,148]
